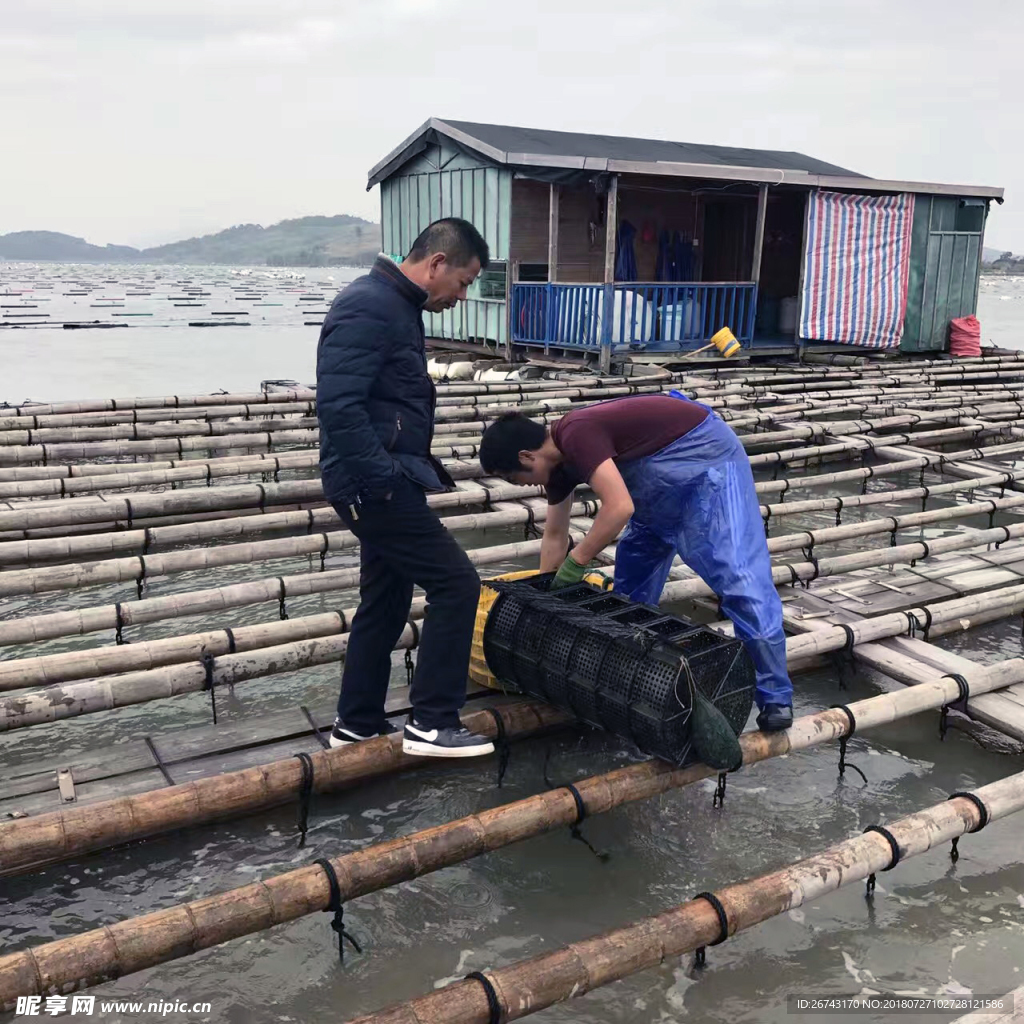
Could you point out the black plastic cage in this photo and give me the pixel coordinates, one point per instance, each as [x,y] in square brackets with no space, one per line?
[615,664]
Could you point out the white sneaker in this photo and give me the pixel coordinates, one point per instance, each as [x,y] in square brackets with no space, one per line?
[449,742]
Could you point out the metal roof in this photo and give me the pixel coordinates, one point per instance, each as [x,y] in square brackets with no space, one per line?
[539,148]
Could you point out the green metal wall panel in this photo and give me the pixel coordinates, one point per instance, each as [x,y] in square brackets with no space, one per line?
[442,182]
[944,268]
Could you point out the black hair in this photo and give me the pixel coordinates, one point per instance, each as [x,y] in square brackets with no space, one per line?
[456,238]
[504,439]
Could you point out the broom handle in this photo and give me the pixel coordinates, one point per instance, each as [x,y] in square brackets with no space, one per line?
[697,350]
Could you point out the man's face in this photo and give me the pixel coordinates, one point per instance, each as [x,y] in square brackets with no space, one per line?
[533,469]
[446,285]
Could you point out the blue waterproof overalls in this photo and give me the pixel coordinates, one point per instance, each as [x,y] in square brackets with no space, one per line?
[696,498]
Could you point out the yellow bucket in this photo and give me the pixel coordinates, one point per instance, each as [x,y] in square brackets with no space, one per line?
[725,341]
[479,673]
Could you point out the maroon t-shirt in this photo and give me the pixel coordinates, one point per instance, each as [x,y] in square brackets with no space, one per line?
[622,429]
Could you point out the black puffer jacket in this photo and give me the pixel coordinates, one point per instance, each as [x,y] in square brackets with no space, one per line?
[375,400]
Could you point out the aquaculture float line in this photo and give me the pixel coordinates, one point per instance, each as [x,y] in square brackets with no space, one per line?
[30,843]
[135,944]
[521,989]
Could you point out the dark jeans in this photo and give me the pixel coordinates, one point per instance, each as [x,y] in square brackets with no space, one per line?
[402,543]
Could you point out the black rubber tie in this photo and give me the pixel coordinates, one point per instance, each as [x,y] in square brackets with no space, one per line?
[844,656]
[305,791]
[982,811]
[493,1002]
[282,610]
[335,906]
[814,562]
[501,742]
[415,633]
[63,488]
[128,507]
[927,553]
[581,814]
[119,626]
[140,582]
[1005,530]
[843,740]
[309,521]
[914,623]
[314,729]
[870,470]
[263,497]
[700,955]
[894,846]
[839,512]
[325,545]
[147,540]
[718,799]
[960,703]
[156,757]
[208,683]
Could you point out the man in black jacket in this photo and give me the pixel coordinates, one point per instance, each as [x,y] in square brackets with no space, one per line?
[375,403]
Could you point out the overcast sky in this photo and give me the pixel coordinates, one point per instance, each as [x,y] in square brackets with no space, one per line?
[145,121]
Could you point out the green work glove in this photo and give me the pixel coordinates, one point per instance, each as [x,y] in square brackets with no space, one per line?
[569,574]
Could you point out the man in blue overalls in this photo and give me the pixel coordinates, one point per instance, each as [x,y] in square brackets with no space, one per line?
[677,478]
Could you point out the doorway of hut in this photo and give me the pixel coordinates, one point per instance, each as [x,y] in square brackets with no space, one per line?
[779,281]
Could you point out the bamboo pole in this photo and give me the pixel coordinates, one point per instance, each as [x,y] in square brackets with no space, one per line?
[113,417]
[841,564]
[1012,1012]
[25,455]
[104,694]
[525,987]
[86,574]
[48,669]
[48,626]
[164,402]
[133,945]
[197,531]
[72,576]
[30,843]
[33,628]
[35,516]
[190,470]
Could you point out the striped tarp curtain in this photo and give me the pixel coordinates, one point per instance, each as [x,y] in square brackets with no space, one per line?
[856,268]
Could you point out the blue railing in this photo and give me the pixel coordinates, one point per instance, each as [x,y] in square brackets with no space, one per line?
[651,317]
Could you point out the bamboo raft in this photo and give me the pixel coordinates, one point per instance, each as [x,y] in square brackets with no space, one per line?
[158,547]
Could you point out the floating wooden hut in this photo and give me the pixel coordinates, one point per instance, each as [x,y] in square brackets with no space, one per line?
[677,240]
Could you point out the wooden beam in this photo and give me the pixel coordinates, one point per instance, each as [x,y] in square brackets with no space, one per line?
[762,209]
[611,224]
[553,197]
[803,267]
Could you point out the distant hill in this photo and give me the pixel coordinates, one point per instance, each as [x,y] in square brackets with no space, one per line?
[303,242]
[51,245]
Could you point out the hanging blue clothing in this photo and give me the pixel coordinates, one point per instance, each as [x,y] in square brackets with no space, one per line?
[696,498]
[625,258]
